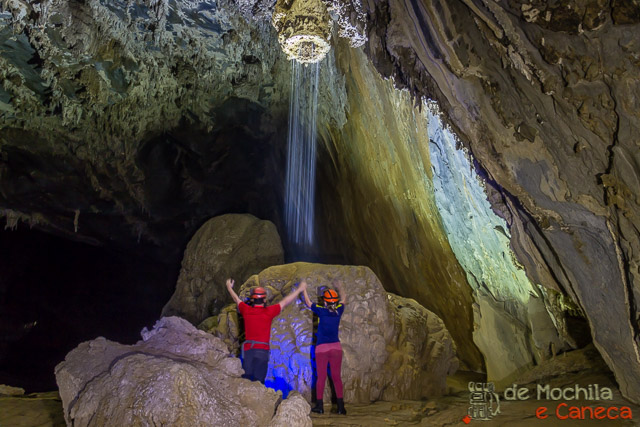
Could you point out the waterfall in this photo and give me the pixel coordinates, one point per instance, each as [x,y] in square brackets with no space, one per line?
[301,155]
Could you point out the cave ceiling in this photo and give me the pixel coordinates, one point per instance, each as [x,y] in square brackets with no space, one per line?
[124,122]
[135,121]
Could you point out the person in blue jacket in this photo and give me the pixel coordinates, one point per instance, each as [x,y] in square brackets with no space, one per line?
[328,348]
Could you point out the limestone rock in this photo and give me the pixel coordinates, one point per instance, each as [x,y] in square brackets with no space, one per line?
[551,117]
[393,348]
[230,245]
[6,390]
[304,29]
[177,375]
[294,411]
[377,197]
[304,26]
[153,97]
[503,338]
[423,352]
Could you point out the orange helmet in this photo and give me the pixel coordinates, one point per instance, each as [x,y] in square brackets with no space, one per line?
[330,296]
[258,293]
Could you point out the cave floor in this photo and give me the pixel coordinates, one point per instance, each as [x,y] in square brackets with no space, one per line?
[450,410]
[45,409]
[32,410]
[580,367]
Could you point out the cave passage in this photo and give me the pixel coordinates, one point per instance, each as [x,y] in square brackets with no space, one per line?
[73,292]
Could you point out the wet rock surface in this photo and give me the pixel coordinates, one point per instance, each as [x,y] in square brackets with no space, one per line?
[226,246]
[393,348]
[176,375]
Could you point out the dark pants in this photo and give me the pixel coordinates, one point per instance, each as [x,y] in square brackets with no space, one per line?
[255,364]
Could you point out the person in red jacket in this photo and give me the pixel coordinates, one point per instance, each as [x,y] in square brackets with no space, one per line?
[257,326]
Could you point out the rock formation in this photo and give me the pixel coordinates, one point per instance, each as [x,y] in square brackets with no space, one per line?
[304,26]
[234,246]
[176,375]
[33,409]
[376,175]
[124,121]
[513,328]
[393,348]
[6,390]
[294,411]
[544,96]
[138,133]
[219,144]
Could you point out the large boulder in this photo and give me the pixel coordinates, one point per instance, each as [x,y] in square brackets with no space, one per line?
[393,347]
[294,411]
[233,245]
[177,375]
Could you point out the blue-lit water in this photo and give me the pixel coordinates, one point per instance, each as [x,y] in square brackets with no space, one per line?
[301,155]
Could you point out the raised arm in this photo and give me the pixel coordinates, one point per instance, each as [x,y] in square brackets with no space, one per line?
[343,295]
[293,295]
[307,300]
[233,294]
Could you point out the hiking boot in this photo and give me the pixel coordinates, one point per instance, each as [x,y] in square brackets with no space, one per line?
[319,408]
[341,409]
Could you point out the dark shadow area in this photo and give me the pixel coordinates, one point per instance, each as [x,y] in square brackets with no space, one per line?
[578,328]
[56,293]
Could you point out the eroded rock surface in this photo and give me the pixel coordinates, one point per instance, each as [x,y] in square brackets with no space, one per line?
[375,186]
[545,97]
[177,375]
[393,348]
[133,106]
[294,411]
[7,390]
[230,245]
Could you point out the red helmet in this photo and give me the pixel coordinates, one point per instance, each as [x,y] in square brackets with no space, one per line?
[330,296]
[258,293]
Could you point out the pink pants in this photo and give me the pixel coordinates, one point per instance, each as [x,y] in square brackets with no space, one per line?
[329,354]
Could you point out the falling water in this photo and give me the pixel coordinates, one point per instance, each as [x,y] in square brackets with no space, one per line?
[301,158]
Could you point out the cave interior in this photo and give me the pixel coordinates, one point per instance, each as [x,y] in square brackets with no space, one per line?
[480,158]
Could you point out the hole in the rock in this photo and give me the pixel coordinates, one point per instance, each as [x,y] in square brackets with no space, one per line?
[73,292]
[579,330]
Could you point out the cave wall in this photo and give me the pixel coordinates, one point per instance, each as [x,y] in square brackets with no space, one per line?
[375,202]
[513,328]
[545,96]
